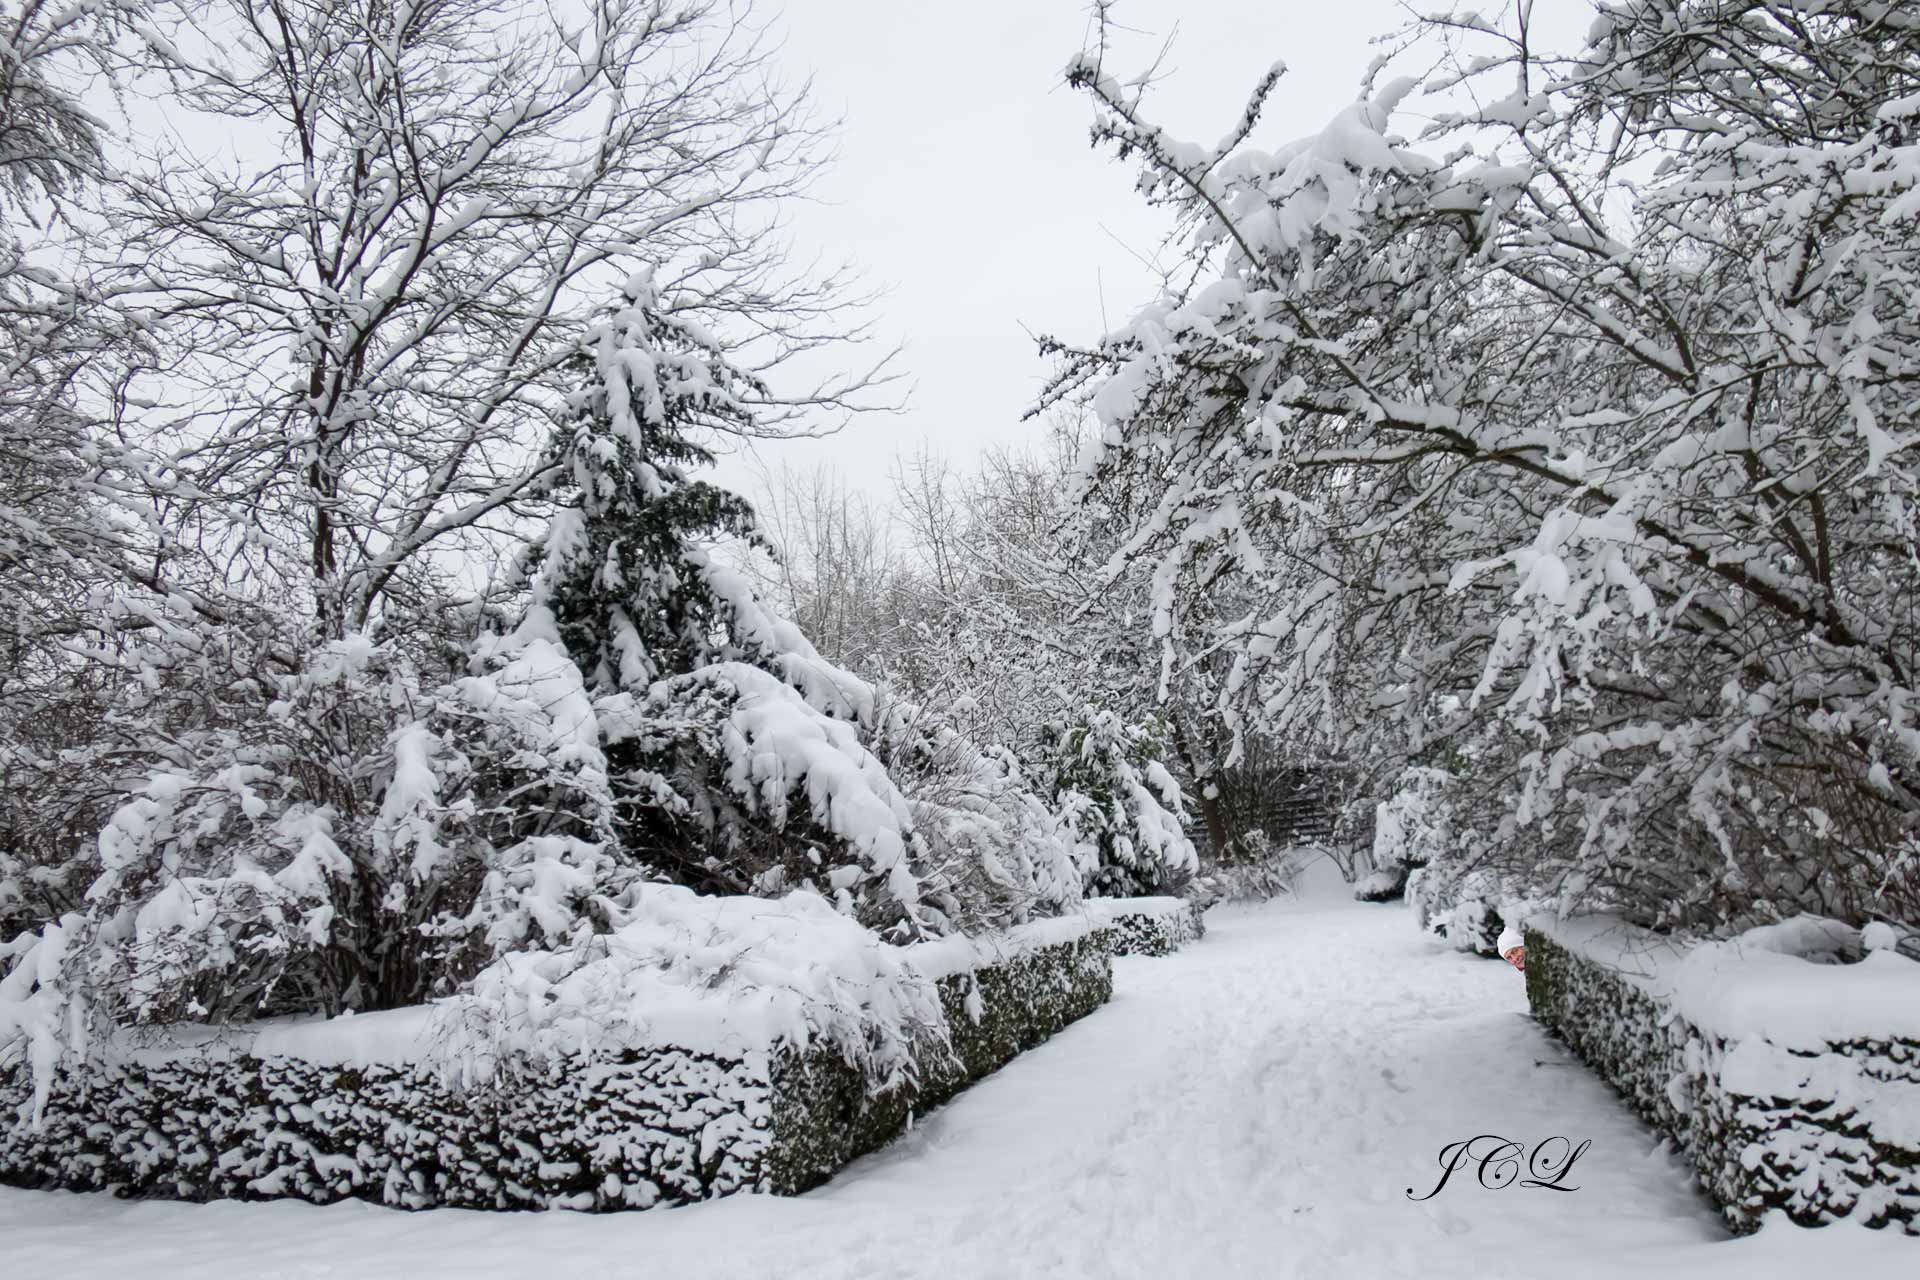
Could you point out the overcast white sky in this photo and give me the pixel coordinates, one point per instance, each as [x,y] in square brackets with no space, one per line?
[967,189]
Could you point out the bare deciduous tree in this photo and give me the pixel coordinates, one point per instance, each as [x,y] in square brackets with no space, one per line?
[366,314]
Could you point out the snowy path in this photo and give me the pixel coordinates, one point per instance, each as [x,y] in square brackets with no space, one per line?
[1254,1107]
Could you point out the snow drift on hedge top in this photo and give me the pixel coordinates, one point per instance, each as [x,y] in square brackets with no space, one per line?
[719,975]
[1802,983]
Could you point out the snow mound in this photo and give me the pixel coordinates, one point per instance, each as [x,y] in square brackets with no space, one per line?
[721,975]
[1783,982]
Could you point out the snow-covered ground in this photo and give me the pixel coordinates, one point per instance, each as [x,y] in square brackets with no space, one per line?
[1257,1106]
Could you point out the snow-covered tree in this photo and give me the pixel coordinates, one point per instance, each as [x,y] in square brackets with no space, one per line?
[367,321]
[1107,779]
[721,708]
[741,759]
[1578,429]
[73,533]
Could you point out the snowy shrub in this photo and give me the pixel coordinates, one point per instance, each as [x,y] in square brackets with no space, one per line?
[786,971]
[1783,1065]
[1431,838]
[1112,791]
[1468,906]
[1412,827]
[1267,871]
[1461,906]
[994,848]
[714,1046]
[358,842]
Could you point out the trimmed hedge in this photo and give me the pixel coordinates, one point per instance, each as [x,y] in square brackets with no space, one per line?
[1832,1149]
[605,1132]
[1147,926]
[823,1115]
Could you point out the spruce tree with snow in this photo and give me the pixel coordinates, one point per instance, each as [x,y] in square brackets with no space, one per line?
[622,566]
[740,760]
[672,640]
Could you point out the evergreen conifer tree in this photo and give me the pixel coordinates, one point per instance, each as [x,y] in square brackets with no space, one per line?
[716,711]
[623,569]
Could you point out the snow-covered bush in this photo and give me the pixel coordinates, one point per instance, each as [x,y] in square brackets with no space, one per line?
[357,841]
[994,847]
[1783,1063]
[1467,907]
[1113,792]
[1415,825]
[1267,871]
[1412,827]
[717,974]
[1431,843]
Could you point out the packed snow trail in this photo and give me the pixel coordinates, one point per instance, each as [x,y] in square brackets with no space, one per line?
[1256,1106]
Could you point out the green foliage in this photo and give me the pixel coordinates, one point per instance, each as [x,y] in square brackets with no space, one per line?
[623,568]
[1108,784]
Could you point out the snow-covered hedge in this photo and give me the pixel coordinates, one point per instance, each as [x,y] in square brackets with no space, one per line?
[1147,926]
[994,1009]
[626,1130]
[646,1069]
[1789,1078]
